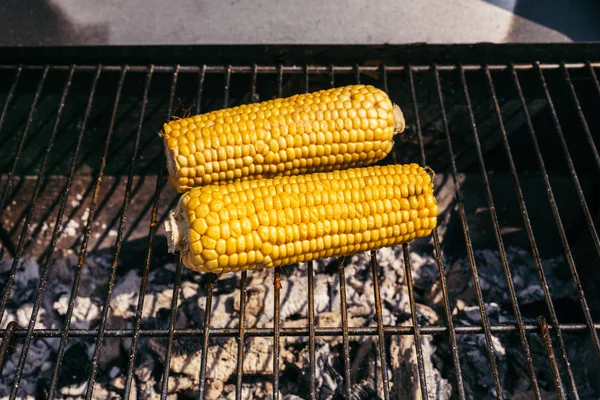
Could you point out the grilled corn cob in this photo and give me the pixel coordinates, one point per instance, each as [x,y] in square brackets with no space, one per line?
[321,131]
[269,222]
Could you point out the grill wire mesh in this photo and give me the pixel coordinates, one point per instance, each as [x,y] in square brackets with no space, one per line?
[514,148]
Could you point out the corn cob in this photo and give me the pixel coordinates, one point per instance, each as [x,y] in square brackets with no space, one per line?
[321,131]
[269,222]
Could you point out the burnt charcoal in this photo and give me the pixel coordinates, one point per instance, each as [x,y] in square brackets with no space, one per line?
[404,371]
[493,280]
[364,391]
[329,380]
[76,363]
[475,364]
[26,279]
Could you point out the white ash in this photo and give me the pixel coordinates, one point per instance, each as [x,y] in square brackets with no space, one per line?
[86,215]
[77,201]
[405,375]
[85,311]
[125,294]
[493,282]
[71,228]
[257,364]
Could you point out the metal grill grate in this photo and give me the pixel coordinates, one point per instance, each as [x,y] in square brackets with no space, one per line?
[92,129]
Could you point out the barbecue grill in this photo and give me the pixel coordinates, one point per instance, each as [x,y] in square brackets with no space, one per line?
[500,302]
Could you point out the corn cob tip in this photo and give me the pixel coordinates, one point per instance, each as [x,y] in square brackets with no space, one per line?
[399,123]
[176,230]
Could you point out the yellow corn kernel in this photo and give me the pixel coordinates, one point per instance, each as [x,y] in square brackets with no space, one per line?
[331,215]
[243,142]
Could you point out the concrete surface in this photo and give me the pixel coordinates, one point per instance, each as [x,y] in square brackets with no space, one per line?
[72,22]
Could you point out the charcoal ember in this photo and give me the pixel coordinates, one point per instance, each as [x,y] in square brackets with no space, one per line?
[324,320]
[85,311]
[223,315]
[221,357]
[473,313]
[76,363]
[259,299]
[24,316]
[8,318]
[147,389]
[118,385]
[157,302]
[364,391]
[101,391]
[291,397]
[493,280]
[405,375]
[74,390]
[214,389]
[475,364]
[112,350]
[26,279]
[530,394]
[328,378]
[38,355]
[123,301]
[260,388]
[180,383]
[93,280]
[189,290]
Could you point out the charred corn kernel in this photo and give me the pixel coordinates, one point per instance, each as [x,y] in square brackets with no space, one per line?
[335,213]
[289,136]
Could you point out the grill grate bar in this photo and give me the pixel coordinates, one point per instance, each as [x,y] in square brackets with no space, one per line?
[344,308]
[212,277]
[202,75]
[376,293]
[495,223]
[241,337]
[277,287]
[151,235]
[82,252]
[7,341]
[547,340]
[243,279]
[276,327]
[558,221]
[463,217]
[311,331]
[416,330]
[206,333]
[590,67]
[584,124]
[311,301]
[59,218]
[380,332]
[345,344]
[438,253]
[172,319]
[523,206]
[9,97]
[11,94]
[296,69]
[177,283]
[119,242]
[586,211]
[13,271]
[319,331]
